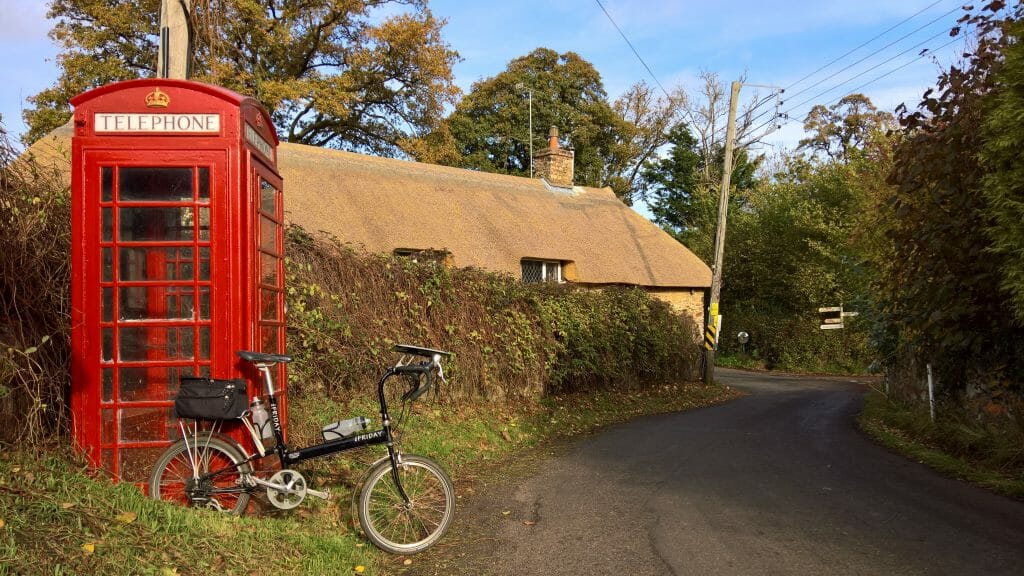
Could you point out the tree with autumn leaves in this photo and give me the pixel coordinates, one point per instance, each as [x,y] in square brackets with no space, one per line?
[332,72]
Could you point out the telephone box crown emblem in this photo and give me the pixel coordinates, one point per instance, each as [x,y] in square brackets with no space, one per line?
[157,99]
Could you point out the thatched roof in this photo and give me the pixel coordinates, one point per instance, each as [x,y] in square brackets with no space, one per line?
[488,221]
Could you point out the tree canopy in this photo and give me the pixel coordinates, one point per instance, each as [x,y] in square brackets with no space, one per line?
[332,72]
[940,288]
[489,128]
[845,126]
[1003,157]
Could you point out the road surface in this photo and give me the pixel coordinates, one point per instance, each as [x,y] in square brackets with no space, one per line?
[778,482]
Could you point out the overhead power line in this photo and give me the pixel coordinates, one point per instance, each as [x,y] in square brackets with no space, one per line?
[889,45]
[924,53]
[637,54]
[895,26]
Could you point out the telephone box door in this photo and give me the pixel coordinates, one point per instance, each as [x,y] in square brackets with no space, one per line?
[159,232]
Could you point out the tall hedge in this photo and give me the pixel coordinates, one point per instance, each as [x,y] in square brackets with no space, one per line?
[345,311]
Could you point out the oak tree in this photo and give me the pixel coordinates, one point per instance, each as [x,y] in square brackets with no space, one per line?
[335,73]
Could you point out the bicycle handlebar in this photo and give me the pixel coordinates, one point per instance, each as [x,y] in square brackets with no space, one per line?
[427,368]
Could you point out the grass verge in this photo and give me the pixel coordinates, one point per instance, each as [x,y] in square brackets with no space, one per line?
[989,456]
[57,517]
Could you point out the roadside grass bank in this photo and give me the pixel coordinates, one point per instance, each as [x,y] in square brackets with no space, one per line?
[57,517]
[988,452]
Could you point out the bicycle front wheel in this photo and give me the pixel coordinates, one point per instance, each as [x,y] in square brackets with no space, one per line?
[207,472]
[400,527]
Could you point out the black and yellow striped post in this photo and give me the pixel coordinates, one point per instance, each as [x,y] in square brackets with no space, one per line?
[711,341]
[711,337]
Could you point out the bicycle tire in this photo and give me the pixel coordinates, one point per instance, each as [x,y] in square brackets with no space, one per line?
[404,529]
[172,478]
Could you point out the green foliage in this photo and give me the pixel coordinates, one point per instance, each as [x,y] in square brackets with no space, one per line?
[511,341]
[488,130]
[683,189]
[35,242]
[790,251]
[845,127]
[1003,183]
[57,517]
[939,287]
[332,72]
[983,446]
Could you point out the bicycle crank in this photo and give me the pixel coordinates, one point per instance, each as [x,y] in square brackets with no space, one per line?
[287,489]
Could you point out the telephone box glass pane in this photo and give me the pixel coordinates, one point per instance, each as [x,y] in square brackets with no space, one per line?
[149,383]
[108,385]
[204,184]
[268,270]
[204,223]
[204,263]
[204,302]
[268,234]
[204,342]
[157,303]
[107,416]
[108,345]
[108,305]
[154,224]
[156,343]
[269,339]
[137,463]
[107,227]
[267,197]
[107,178]
[155,185]
[141,424]
[107,274]
[268,304]
[139,263]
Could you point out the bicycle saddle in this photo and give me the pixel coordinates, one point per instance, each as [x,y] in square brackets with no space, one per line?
[262,357]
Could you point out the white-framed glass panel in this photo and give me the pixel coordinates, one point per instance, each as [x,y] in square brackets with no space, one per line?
[535,271]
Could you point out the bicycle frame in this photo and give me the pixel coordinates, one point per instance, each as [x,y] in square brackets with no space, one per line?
[289,456]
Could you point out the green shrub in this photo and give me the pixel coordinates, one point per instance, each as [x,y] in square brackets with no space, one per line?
[510,341]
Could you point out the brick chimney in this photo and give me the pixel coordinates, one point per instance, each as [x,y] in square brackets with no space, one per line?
[554,164]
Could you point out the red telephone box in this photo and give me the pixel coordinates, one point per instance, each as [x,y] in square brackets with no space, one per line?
[177,257]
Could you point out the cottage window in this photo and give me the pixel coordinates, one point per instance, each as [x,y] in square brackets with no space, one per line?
[535,271]
[426,256]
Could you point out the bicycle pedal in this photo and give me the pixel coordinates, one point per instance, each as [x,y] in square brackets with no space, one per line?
[321,494]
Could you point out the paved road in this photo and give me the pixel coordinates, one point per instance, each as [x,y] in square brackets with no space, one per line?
[778,482]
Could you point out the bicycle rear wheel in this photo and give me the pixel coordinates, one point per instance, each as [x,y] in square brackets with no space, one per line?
[401,527]
[183,474]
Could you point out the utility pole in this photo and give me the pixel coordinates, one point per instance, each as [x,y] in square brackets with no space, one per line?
[174,57]
[714,323]
[530,93]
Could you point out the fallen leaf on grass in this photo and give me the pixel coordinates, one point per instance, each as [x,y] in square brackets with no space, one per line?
[407,561]
[360,569]
[126,517]
[528,522]
[506,512]
[88,548]
[67,505]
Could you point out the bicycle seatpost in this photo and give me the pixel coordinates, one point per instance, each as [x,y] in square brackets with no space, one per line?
[268,379]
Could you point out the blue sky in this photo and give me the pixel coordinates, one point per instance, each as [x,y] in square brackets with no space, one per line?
[773,42]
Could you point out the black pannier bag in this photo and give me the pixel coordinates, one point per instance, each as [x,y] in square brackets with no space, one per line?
[209,399]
